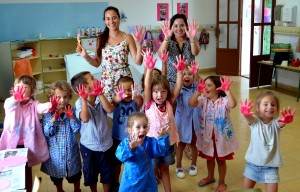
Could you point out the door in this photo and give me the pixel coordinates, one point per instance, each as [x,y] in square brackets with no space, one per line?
[228,37]
[261,39]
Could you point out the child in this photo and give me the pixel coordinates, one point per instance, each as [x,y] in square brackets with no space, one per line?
[137,151]
[263,155]
[22,127]
[95,137]
[126,101]
[60,128]
[216,140]
[187,122]
[158,101]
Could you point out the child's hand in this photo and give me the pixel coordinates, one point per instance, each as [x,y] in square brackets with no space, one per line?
[98,89]
[81,92]
[18,93]
[69,112]
[165,55]
[53,103]
[201,86]
[135,91]
[148,59]
[246,107]
[139,33]
[134,141]
[163,131]
[191,32]
[56,115]
[120,92]
[287,116]
[194,67]
[180,63]
[225,83]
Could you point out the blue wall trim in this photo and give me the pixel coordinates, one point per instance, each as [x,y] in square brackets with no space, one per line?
[53,20]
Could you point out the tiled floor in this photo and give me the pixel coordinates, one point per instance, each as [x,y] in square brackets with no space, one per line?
[290,145]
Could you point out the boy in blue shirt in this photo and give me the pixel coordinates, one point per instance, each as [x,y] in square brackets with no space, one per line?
[96,139]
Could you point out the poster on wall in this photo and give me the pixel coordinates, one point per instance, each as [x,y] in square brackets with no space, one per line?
[162,11]
[182,8]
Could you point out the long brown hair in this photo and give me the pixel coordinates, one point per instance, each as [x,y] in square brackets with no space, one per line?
[103,37]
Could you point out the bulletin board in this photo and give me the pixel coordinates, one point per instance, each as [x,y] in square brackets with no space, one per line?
[53,20]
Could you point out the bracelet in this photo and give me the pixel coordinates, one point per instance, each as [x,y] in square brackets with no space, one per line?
[167,39]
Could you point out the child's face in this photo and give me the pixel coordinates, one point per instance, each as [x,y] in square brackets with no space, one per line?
[210,88]
[28,90]
[90,81]
[188,78]
[139,128]
[267,107]
[159,94]
[64,99]
[127,90]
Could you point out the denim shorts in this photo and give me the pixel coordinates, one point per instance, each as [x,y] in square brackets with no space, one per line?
[261,174]
[95,162]
[168,159]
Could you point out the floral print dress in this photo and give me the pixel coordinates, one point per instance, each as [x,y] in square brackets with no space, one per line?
[114,65]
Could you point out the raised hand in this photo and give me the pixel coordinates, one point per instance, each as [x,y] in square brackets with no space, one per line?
[246,107]
[287,116]
[134,141]
[201,86]
[19,93]
[136,91]
[139,33]
[53,103]
[180,63]
[164,56]
[148,59]
[81,51]
[194,67]
[165,28]
[120,92]
[225,83]
[192,30]
[163,131]
[97,88]
[69,112]
[81,91]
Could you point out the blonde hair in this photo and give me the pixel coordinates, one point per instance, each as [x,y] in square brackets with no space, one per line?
[261,95]
[133,117]
[61,85]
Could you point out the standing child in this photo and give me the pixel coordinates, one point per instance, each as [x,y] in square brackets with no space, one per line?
[187,122]
[126,101]
[95,137]
[263,155]
[216,140]
[22,127]
[60,128]
[158,101]
[137,151]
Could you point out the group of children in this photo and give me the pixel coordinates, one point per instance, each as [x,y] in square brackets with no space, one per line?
[144,141]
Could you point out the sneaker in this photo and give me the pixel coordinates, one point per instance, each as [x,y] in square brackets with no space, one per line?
[192,170]
[180,173]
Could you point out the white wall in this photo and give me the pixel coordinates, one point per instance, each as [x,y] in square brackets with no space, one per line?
[287,77]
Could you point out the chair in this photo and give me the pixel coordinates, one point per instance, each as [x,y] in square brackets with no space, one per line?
[247,190]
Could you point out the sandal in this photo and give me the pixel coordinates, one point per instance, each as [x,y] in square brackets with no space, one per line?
[204,182]
[221,188]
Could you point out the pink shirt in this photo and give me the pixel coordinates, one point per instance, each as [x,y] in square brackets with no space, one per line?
[22,126]
[158,119]
[215,118]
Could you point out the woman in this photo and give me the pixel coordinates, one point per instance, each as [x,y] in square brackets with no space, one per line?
[113,47]
[180,38]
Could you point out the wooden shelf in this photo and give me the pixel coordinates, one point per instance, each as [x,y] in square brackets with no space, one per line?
[287,30]
[47,70]
[36,73]
[51,58]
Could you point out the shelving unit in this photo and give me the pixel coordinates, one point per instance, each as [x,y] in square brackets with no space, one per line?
[8,59]
[287,30]
[53,64]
